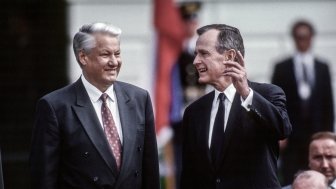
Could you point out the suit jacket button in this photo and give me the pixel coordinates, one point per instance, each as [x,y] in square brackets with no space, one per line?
[136,173]
[95,179]
[86,154]
[139,148]
[218,180]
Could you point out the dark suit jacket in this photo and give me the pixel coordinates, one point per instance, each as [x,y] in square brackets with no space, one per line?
[319,111]
[70,150]
[250,149]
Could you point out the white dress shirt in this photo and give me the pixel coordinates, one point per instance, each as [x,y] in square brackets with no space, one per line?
[229,94]
[307,60]
[112,104]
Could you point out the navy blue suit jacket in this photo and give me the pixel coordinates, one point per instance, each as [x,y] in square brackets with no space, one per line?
[250,150]
[70,150]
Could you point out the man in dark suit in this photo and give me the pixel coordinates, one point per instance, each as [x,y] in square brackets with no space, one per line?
[97,132]
[230,135]
[307,84]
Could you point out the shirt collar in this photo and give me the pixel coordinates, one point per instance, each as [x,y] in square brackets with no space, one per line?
[229,92]
[94,93]
[333,184]
[306,58]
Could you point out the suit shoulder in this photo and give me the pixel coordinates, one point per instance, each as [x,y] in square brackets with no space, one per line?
[284,62]
[60,93]
[134,92]
[203,100]
[131,87]
[265,88]
[321,60]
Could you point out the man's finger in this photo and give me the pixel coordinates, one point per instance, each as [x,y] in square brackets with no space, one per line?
[240,59]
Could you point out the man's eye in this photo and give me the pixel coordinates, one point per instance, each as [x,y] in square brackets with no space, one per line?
[318,158]
[331,157]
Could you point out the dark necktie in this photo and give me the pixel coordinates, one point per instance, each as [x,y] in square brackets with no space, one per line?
[218,131]
[305,73]
[110,130]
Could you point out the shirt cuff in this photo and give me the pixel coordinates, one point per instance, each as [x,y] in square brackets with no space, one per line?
[248,101]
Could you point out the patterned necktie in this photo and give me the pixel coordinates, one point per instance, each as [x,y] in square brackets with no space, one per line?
[110,130]
[218,131]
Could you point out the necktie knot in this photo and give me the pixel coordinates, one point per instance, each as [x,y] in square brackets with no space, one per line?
[221,97]
[104,97]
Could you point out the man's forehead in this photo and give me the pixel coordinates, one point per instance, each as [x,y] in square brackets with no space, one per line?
[206,40]
[325,144]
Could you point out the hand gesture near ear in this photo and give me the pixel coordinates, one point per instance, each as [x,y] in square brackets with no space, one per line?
[237,71]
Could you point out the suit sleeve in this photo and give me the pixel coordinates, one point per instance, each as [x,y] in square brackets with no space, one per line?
[328,101]
[44,156]
[151,179]
[187,154]
[268,109]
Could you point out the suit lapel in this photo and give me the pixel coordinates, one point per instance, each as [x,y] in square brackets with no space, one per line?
[203,122]
[128,121]
[291,76]
[88,117]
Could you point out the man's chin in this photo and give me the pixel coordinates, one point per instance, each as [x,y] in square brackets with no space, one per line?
[202,81]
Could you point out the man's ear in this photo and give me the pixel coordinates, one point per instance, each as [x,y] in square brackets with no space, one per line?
[231,54]
[82,58]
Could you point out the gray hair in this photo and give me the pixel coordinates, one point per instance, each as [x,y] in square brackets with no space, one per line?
[310,178]
[84,40]
[228,38]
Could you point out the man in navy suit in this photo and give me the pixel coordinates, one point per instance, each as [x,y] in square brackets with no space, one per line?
[306,82]
[70,148]
[238,147]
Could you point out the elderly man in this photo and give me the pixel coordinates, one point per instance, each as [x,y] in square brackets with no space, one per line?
[230,135]
[97,132]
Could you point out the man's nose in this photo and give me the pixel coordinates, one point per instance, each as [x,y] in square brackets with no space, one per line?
[325,162]
[196,60]
[113,60]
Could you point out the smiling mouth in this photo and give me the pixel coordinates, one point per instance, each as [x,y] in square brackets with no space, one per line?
[111,70]
[202,70]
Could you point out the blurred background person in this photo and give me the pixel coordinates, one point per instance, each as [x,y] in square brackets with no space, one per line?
[185,85]
[322,155]
[307,84]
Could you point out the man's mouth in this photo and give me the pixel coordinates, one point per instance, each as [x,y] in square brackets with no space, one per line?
[202,70]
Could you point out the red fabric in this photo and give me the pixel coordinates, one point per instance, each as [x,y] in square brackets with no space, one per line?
[170,34]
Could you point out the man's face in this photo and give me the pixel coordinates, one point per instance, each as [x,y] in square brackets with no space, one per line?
[322,157]
[102,64]
[208,62]
[303,38]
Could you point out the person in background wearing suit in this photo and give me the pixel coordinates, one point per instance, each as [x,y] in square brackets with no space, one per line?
[307,85]
[185,86]
[97,132]
[230,135]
